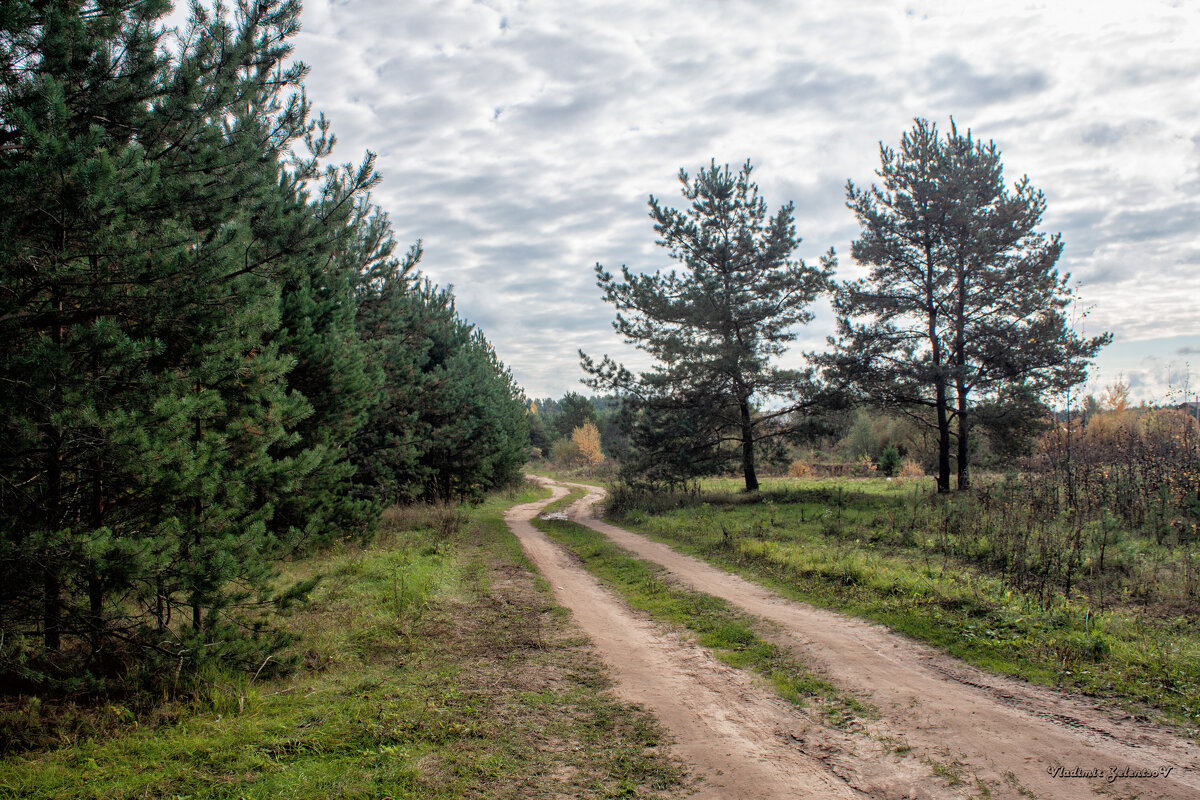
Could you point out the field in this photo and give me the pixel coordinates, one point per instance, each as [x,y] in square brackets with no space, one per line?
[434,664]
[1092,606]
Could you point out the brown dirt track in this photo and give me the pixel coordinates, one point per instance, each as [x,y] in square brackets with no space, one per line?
[944,730]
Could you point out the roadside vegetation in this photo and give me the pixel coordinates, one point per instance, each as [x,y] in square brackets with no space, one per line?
[214,359]
[432,663]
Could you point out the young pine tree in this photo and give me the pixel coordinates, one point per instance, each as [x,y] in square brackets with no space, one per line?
[148,220]
[713,328]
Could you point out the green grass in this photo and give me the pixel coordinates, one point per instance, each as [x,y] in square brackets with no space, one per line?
[548,470]
[436,665]
[737,639]
[836,543]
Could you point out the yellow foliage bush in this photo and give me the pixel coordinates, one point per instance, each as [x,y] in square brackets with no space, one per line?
[587,438]
[799,469]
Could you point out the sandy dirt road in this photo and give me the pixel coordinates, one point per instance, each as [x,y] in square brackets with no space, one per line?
[1001,737]
[733,732]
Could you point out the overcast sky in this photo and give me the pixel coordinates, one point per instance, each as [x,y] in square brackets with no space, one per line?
[520,141]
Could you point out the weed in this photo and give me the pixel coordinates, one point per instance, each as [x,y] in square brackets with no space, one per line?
[949,772]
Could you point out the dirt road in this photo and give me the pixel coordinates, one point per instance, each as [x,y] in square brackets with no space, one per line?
[945,729]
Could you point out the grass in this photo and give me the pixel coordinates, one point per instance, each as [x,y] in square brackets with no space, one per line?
[835,543]
[737,639]
[436,665]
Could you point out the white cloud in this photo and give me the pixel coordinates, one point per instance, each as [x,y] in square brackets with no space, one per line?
[520,140]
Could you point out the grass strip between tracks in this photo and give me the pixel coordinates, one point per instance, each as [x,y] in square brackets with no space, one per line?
[738,639]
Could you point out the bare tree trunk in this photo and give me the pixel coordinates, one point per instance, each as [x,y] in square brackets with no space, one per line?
[51,577]
[51,607]
[964,460]
[943,423]
[197,609]
[939,378]
[960,377]
[748,447]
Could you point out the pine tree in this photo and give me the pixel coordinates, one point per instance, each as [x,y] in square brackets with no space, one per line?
[452,423]
[713,328]
[333,369]
[963,298]
[151,213]
[74,85]
[574,410]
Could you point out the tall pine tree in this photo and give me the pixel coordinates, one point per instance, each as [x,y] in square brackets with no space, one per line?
[151,216]
[963,303]
[715,328]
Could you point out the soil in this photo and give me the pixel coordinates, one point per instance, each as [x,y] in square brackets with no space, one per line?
[944,729]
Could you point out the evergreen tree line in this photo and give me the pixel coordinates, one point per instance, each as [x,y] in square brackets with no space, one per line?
[212,356]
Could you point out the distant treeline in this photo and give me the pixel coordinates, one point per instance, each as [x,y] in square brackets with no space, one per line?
[211,357]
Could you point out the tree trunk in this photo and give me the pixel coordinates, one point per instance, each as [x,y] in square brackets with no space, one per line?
[943,423]
[964,460]
[939,378]
[51,580]
[960,376]
[197,609]
[95,581]
[51,607]
[748,447]
[160,611]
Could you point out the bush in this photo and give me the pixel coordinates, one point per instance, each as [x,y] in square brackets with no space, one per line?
[586,439]
[889,461]
[566,453]
[799,469]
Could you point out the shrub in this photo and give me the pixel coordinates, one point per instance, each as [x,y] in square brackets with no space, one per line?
[889,461]
[586,439]
[565,453]
[799,469]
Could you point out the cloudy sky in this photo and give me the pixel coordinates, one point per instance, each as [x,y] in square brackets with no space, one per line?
[520,141]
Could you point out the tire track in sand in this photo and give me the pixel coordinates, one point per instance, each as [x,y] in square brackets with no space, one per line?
[738,736]
[993,726]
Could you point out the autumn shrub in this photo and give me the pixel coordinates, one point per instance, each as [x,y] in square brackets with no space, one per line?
[1109,509]
[587,439]
[800,469]
[565,453]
